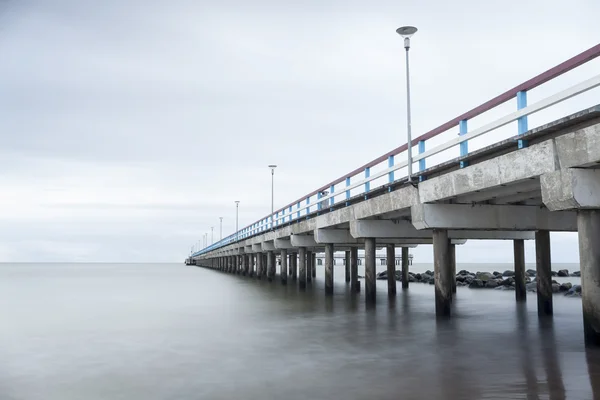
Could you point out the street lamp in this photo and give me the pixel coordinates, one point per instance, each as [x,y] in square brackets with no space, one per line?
[272,166]
[237,207]
[406,32]
[212,240]
[221,229]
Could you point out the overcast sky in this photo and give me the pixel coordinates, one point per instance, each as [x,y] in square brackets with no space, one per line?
[128,127]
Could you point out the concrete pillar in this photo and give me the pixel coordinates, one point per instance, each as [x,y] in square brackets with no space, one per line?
[391,269]
[259,266]
[370,275]
[442,272]
[452,255]
[314,265]
[246,265]
[405,268]
[294,265]
[347,266]
[290,264]
[543,272]
[250,264]
[271,270]
[302,265]
[329,269]
[354,269]
[264,264]
[588,227]
[309,259]
[519,252]
[284,267]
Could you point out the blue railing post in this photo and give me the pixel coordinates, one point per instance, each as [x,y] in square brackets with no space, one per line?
[276,222]
[347,191]
[367,184]
[290,216]
[522,121]
[421,145]
[464,146]
[307,205]
[298,208]
[318,202]
[331,200]
[390,174]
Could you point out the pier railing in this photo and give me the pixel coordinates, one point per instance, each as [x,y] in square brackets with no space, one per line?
[387,169]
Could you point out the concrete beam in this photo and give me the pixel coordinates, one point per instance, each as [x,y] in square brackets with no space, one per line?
[491,217]
[268,246]
[382,229]
[337,236]
[571,188]
[399,199]
[303,241]
[498,192]
[283,244]
[257,248]
[248,249]
[580,148]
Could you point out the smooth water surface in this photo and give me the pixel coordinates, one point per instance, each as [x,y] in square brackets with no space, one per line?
[169,331]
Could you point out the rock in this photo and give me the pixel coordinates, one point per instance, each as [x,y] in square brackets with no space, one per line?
[426,277]
[428,272]
[531,272]
[504,288]
[418,277]
[555,288]
[411,278]
[574,291]
[508,273]
[528,279]
[491,284]
[432,281]
[464,272]
[507,282]
[484,276]
[496,273]
[531,287]
[553,273]
[563,272]
[476,284]
[576,273]
[458,283]
[565,287]
[382,275]
[469,279]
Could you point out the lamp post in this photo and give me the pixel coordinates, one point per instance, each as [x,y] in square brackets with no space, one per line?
[406,32]
[212,240]
[237,207]
[272,166]
[221,229]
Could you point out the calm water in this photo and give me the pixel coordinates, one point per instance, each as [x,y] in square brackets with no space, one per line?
[167,331]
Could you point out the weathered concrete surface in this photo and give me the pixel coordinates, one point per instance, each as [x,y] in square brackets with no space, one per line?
[309,266]
[259,265]
[519,254]
[452,255]
[294,265]
[329,269]
[337,236]
[283,272]
[271,267]
[302,267]
[370,272]
[347,266]
[402,198]
[442,273]
[246,264]
[250,264]
[354,269]
[543,272]
[405,268]
[491,217]
[589,259]
[391,269]
[571,188]
[580,148]
[314,265]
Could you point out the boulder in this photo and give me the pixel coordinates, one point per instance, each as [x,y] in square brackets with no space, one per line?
[484,276]
[469,279]
[418,277]
[531,287]
[491,284]
[531,272]
[576,273]
[432,281]
[411,278]
[464,272]
[574,291]
[508,273]
[563,272]
[555,288]
[382,275]
[496,273]
[428,272]
[426,277]
[507,282]
[460,278]
[553,273]
[565,287]
[504,288]
[476,284]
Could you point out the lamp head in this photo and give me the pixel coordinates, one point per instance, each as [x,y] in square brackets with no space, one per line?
[406,31]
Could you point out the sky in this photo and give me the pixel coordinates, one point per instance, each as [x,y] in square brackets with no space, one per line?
[129,127]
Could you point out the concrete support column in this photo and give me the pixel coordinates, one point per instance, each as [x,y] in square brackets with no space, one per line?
[294,265]
[452,255]
[290,264]
[543,272]
[347,266]
[520,288]
[329,269]
[271,270]
[259,265]
[370,275]
[240,264]
[246,265]
[250,264]
[228,264]
[391,269]
[284,267]
[302,265]
[405,268]
[314,265]
[264,264]
[309,260]
[354,269]
[442,272]
[588,227]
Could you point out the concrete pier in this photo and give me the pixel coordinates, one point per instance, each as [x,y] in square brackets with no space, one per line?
[302,267]
[309,260]
[354,269]
[519,254]
[347,266]
[246,264]
[314,265]
[370,274]
[405,268]
[251,264]
[452,255]
[294,265]
[391,269]
[442,273]
[259,265]
[588,225]
[284,267]
[329,269]
[270,266]
[543,272]
[264,265]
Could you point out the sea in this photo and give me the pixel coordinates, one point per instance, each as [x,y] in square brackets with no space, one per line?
[171,331]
